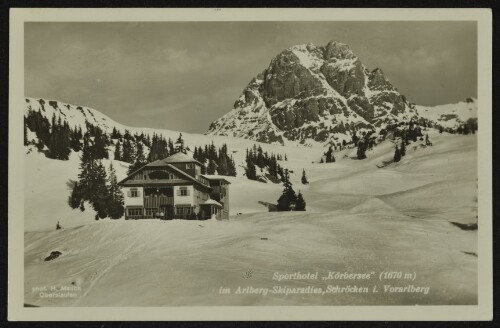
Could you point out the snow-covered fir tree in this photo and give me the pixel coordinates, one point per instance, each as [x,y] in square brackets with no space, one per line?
[115,195]
[304,177]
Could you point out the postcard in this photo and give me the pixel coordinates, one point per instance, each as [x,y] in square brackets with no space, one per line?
[250,164]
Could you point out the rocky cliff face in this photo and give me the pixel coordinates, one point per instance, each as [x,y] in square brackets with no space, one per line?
[313,94]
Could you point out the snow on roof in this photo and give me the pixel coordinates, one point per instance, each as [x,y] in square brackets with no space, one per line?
[158,162]
[179,158]
[212,202]
[215,177]
[162,162]
[175,158]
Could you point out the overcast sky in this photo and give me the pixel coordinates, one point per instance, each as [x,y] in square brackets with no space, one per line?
[182,76]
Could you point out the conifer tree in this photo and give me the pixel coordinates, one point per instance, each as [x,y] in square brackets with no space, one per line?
[115,134]
[59,146]
[99,195]
[66,141]
[75,140]
[139,153]
[260,158]
[171,148]
[212,152]
[127,151]
[251,170]
[355,139]
[361,153]
[280,171]
[403,148]
[300,203]
[87,167]
[179,145]
[114,204]
[231,169]
[82,190]
[288,198]
[329,158]
[76,196]
[273,166]
[100,141]
[211,167]
[118,151]
[139,158]
[397,155]
[195,153]
[222,164]
[304,178]
[40,125]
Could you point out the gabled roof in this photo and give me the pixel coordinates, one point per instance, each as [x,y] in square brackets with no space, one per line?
[181,173]
[175,158]
[216,178]
[180,158]
[186,175]
[158,162]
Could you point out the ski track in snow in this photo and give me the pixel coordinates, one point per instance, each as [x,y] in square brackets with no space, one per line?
[109,265]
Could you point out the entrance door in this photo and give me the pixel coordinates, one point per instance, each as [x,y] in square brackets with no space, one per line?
[168,212]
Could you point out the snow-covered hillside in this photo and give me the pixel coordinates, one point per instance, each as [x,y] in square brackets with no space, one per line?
[312,94]
[359,218]
[450,115]
[76,116]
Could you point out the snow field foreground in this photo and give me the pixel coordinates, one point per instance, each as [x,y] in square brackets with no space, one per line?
[359,219]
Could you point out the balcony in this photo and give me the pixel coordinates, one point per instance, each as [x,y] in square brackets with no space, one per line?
[155,201]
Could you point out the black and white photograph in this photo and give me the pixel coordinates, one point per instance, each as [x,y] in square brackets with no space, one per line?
[251,163]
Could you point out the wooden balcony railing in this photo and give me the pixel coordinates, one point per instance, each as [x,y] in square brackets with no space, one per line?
[157,201]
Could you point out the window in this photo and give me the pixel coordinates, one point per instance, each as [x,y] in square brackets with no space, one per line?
[151,211]
[169,192]
[149,192]
[183,210]
[183,191]
[134,211]
[172,176]
[157,175]
[134,192]
[190,166]
[163,191]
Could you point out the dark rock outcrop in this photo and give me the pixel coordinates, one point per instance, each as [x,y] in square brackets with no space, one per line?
[314,93]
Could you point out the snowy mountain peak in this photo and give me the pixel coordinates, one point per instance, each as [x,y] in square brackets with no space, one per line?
[312,93]
[338,50]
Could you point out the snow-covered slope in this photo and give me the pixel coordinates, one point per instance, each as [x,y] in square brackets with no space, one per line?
[76,116]
[46,191]
[314,94]
[359,218]
[79,116]
[450,115]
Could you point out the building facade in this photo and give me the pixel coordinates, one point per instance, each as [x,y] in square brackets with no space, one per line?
[174,188]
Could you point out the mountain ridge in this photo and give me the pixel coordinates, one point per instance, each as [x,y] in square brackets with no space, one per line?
[314,94]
